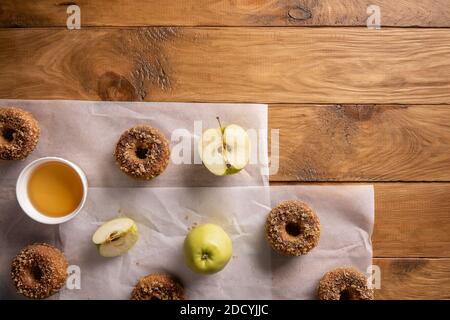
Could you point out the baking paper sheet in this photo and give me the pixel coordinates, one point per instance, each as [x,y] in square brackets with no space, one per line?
[346,216]
[87,132]
[164,213]
[163,216]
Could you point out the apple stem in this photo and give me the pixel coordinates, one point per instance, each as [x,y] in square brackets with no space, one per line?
[220,124]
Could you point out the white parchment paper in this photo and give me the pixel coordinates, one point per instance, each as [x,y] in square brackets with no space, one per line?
[87,132]
[163,216]
[346,216]
[165,208]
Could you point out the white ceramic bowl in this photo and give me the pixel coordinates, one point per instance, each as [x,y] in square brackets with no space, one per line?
[24,199]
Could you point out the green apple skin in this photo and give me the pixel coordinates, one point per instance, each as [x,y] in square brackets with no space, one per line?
[207,249]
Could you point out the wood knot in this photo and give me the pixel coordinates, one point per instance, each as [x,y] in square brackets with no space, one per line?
[115,87]
[299,13]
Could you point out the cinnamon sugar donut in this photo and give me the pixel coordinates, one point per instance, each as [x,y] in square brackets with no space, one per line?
[158,286]
[344,284]
[39,271]
[142,152]
[19,133]
[292,228]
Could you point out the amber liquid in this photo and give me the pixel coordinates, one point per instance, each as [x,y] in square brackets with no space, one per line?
[55,189]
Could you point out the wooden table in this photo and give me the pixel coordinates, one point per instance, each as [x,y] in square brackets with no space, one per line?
[353,105]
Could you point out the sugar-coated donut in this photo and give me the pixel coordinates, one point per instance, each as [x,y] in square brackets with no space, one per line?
[142,152]
[158,286]
[19,133]
[292,228]
[39,271]
[344,284]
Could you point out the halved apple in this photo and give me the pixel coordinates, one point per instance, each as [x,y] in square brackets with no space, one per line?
[116,237]
[225,150]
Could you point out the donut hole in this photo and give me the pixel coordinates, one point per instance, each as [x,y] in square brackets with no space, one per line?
[155,298]
[293,229]
[8,134]
[141,152]
[346,294]
[36,273]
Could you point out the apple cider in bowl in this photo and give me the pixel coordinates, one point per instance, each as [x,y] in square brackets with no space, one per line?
[52,190]
[55,189]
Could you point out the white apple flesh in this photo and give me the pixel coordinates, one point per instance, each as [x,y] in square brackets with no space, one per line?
[225,151]
[116,237]
[207,249]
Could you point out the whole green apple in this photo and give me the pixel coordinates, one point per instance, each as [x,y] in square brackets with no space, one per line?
[207,249]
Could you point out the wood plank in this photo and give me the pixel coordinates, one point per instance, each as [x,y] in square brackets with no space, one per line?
[399,13]
[287,65]
[414,279]
[412,220]
[362,142]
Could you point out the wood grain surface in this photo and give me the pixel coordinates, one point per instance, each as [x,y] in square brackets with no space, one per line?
[47,13]
[362,142]
[414,279]
[352,104]
[287,65]
[412,220]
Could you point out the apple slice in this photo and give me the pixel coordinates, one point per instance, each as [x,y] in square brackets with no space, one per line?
[116,237]
[225,151]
